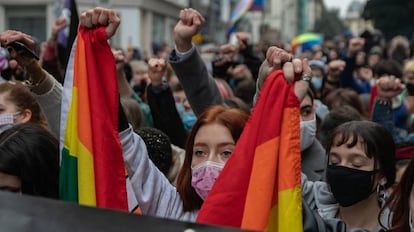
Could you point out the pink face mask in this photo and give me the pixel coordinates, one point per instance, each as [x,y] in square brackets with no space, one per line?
[203,177]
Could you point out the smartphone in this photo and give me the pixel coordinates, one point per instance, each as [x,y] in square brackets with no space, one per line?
[22,49]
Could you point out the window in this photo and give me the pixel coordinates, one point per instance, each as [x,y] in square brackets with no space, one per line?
[158,28]
[28,19]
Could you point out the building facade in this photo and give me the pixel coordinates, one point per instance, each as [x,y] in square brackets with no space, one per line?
[143,22]
[282,20]
[353,18]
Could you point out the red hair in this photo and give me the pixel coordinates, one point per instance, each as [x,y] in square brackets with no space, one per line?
[234,120]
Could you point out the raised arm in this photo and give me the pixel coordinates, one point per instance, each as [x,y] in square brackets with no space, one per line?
[47,89]
[382,113]
[155,195]
[199,87]
[162,104]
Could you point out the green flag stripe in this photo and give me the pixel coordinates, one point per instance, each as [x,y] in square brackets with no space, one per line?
[68,179]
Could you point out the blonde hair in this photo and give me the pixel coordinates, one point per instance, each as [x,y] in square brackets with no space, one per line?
[138,66]
[409,67]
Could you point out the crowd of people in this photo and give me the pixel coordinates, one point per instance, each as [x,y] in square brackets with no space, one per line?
[182,116]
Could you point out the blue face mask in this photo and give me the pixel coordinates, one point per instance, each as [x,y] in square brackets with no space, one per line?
[188,120]
[317,82]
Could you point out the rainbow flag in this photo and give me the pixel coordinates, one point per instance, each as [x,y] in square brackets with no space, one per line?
[92,168]
[260,185]
[241,8]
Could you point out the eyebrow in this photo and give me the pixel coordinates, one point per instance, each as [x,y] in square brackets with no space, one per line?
[219,145]
[305,107]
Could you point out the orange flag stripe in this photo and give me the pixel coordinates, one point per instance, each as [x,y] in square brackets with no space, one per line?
[81,83]
[260,195]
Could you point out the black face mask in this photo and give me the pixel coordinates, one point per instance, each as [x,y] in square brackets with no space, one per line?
[410,88]
[349,185]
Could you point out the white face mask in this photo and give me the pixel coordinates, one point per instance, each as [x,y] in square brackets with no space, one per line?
[7,121]
[307,133]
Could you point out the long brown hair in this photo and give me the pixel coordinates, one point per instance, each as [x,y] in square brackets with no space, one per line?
[20,95]
[399,202]
[234,120]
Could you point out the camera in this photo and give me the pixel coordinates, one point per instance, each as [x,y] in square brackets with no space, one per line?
[21,49]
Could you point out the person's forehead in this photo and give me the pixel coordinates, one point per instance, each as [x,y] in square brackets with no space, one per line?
[306,101]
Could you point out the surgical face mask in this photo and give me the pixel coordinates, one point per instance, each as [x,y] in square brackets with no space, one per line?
[6,121]
[317,82]
[188,118]
[307,133]
[203,177]
[349,185]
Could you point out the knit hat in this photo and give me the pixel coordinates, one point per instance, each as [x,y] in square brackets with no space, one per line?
[158,146]
[317,64]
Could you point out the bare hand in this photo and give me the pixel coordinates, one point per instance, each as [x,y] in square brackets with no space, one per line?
[336,67]
[156,70]
[229,49]
[355,45]
[119,60]
[275,58]
[58,25]
[189,24]
[293,72]
[389,87]
[241,72]
[101,17]
[10,36]
[242,38]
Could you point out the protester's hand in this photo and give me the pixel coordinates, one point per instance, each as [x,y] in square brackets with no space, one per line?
[230,50]
[336,67]
[242,39]
[388,87]
[119,59]
[189,24]
[10,36]
[156,70]
[294,72]
[58,25]
[275,58]
[355,45]
[101,17]
[241,72]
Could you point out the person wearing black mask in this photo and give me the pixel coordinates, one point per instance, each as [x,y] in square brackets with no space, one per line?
[360,168]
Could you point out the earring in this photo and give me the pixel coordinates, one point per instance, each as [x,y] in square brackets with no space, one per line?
[381,195]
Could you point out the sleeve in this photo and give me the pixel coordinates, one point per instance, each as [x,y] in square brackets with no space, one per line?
[165,115]
[347,79]
[49,97]
[155,195]
[382,114]
[199,86]
[251,60]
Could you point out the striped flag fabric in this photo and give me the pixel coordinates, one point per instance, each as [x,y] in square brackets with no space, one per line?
[241,8]
[260,185]
[92,170]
